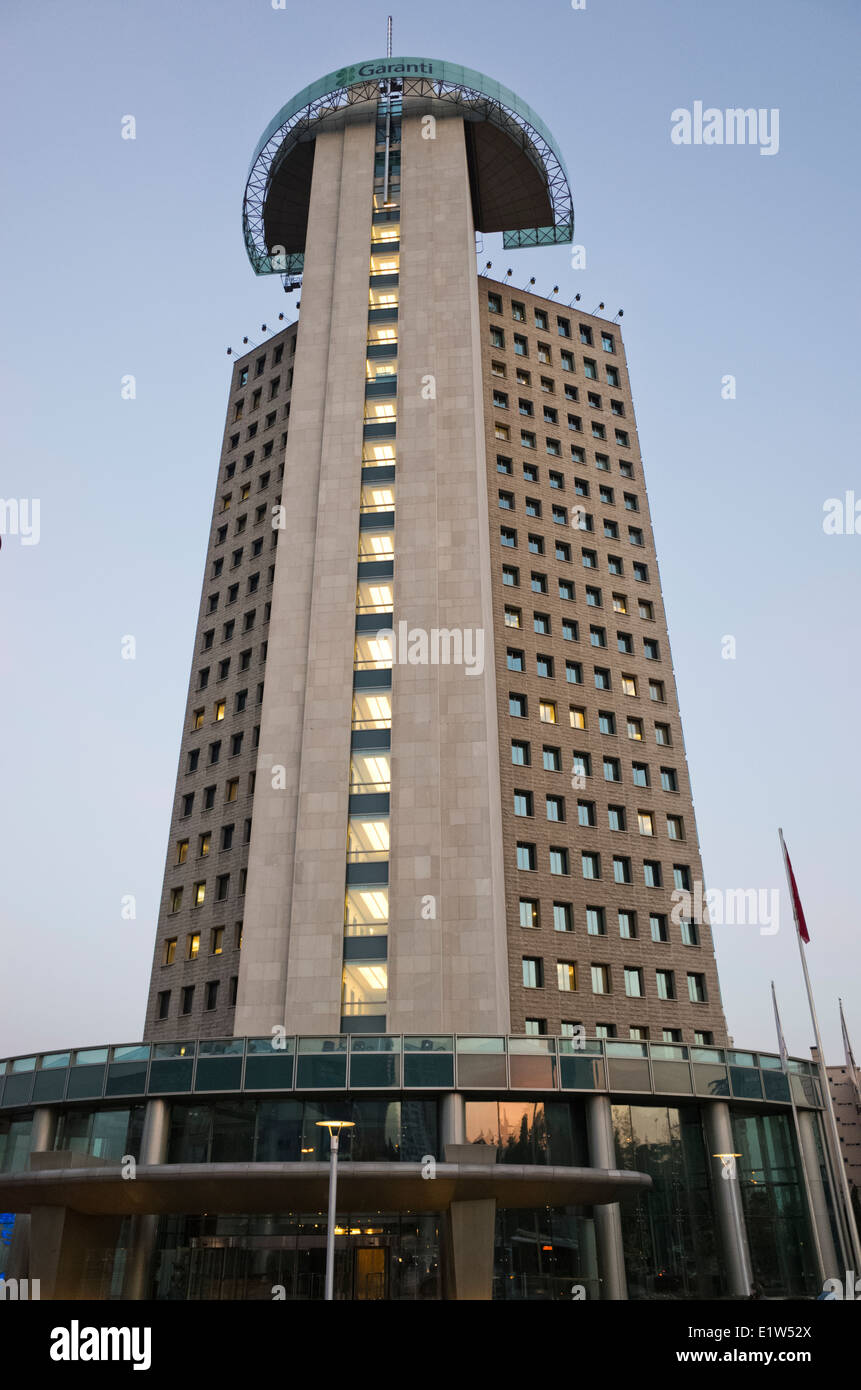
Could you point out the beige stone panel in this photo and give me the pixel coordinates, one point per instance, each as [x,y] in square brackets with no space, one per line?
[444,723]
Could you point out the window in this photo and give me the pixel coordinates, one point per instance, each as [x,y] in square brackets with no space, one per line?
[192,760]
[585,335]
[529,913]
[559,864]
[635,535]
[640,773]
[622,439]
[544,665]
[563,919]
[497,338]
[204,843]
[547,711]
[625,643]
[586,813]
[651,649]
[520,754]
[535,1027]
[536,544]
[211,996]
[652,873]
[669,782]
[231,789]
[635,729]
[596,924]
[591,864]
[612,770]
[504,465]
[675,828]
[666,983]
[627,924]
[641,572]
[566,589]
[703,1039]
[533,973]
[552,759]
[600,979]
[538,583]
[597,636]
[530,473]
[164,1003]
[614,564]
[567,360]
[656,691]
[181,851]
[541,622]
[590,559]
[522,803]
[621,869]
[662,735]
[556,480]
[514,659]
[690,935]
[525,856]
[169,951]
[188,804]
[507,536]
[187,999]
[566,975]
[563,552]
[682,877]
[510,576]
[645,822]
[697,988]
[494,303]
[581,764]
[633,982]
[617,818]
[517,705]
[521,347]
[602,678]
[506,501]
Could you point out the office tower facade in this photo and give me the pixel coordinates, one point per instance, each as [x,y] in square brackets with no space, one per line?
[432,833]
[432,773]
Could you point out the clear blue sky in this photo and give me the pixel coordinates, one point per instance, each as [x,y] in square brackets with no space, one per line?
[126,257]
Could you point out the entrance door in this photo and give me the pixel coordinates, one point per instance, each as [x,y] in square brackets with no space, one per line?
[370,1272]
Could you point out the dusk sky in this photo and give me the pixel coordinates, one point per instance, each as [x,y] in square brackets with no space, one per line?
[126,257]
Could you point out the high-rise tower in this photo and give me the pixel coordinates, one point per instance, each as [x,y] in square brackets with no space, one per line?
[432,773]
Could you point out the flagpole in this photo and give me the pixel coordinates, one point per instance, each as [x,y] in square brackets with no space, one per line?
[843,1201]
[781,1043]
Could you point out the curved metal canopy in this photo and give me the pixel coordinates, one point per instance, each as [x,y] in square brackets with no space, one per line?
[519,181]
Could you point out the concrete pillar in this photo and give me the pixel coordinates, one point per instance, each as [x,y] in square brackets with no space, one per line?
[818,1199]
[608,1217]
[63,1242]
[471,1232]
[727,1199]
[42,1135]
[44,1130]
[452,1120]
[144,1228]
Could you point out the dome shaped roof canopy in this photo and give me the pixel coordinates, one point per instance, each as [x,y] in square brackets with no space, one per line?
[518,180]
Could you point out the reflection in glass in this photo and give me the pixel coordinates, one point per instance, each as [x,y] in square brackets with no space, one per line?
[375,596]
[377,545]
[366,912]
[372,709]
[378,497]
[373,651]
[370,772]
[364,988]
[367,838]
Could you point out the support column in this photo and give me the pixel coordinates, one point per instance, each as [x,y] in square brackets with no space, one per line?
[42,1135]
[452,1120]
[144,1228]
[818,1197]
[471,1232]
[608,1217]
[727,1198]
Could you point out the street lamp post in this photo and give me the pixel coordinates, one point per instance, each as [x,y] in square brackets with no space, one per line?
[334,1127]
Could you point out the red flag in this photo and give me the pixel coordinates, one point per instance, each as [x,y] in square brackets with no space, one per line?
[797,909]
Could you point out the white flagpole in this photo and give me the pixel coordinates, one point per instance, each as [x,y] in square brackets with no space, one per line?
[781,1043]
[842,1199]
[850,1059]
